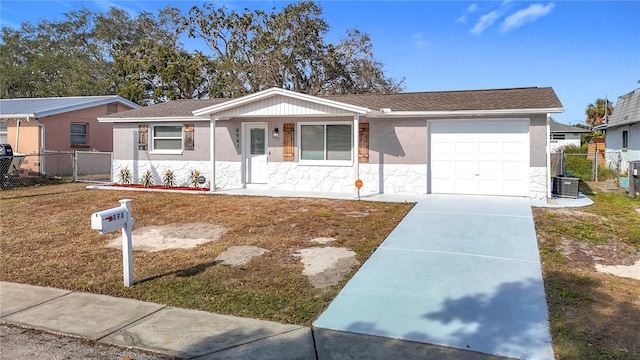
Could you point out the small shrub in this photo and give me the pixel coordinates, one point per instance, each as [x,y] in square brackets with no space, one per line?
[193,178]
[147,179]
[169,179]
[125,176]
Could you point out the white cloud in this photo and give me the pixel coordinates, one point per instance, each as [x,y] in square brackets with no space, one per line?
[463,18]
[485,21]
[521,17]
[419,41]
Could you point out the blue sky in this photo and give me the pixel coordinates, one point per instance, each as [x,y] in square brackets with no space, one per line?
[583,49]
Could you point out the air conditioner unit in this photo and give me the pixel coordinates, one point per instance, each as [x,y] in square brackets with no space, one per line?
[564,186]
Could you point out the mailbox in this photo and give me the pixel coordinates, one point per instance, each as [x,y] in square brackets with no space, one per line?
[110,220]
[119,218]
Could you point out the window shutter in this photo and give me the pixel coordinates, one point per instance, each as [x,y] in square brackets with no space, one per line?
[363,146]
[188,137]
[287,142]
[143,138]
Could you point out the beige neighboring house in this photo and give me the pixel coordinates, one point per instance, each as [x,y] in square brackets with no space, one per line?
[489,142]
[39,125]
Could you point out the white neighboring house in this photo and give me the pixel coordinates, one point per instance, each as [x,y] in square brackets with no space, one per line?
[561,135]
[623,128]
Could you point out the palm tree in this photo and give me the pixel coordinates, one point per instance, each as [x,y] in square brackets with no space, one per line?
[598,112]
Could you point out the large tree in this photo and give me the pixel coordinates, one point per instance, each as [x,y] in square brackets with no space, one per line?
[53,59]
[142,59]
[254,50]
[598,112]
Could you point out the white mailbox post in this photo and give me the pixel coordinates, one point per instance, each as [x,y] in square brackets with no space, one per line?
[110,220]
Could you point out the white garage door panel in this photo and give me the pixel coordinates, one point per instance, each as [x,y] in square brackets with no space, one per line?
[488,157]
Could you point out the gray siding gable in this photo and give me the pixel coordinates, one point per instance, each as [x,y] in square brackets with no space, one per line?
[627,110]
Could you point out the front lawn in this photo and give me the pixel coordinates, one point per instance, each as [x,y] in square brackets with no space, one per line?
[46,239]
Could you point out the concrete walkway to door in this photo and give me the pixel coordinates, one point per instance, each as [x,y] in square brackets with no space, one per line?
[459,277]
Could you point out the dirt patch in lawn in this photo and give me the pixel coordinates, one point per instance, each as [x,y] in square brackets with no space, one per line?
[171,236]
[240,255]
[326,267]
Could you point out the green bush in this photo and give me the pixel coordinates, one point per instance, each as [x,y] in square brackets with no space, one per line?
[579,165]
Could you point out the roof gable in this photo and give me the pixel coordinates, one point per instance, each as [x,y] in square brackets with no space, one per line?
[42,107]
[279,102]
[627,110]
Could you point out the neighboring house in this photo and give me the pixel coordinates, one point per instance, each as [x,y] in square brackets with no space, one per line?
[623,128]
[36,125]
[457,142]
[561,135]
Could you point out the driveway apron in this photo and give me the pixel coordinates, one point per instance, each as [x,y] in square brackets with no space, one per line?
[460,276]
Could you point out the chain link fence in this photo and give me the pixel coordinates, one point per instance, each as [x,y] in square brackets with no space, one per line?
[55,166]
[598,166]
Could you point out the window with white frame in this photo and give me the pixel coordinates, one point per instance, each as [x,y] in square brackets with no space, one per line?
[625,139]
[3,132]
[558,136]
[79,134]
[167,139]
[326,142]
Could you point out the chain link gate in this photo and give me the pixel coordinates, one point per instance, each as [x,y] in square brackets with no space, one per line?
[92,166]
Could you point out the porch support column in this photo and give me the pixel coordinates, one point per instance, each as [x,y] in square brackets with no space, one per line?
[356,151]
[212,152]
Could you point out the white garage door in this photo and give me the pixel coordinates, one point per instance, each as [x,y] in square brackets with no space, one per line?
[485,157]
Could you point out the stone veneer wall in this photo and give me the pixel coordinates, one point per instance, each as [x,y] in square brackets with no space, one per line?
[538,183]
[408,179]
[290,176]
[228,175]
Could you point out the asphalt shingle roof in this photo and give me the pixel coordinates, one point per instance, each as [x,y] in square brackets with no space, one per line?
[172,108]
[627,110]
[556,127]
[41,107]
[495,99]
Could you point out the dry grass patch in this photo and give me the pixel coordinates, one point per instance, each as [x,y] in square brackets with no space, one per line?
[46,240]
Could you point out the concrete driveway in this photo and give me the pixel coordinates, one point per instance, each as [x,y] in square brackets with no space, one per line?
[459,277]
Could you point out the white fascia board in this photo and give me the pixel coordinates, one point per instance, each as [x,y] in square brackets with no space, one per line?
[152,119]
[17,116]
[86,105]
[277,91]
[470,112]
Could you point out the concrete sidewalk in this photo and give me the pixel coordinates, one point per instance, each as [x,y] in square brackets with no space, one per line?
[162,329]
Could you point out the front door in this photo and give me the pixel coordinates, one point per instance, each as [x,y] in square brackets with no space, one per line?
[255,150]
